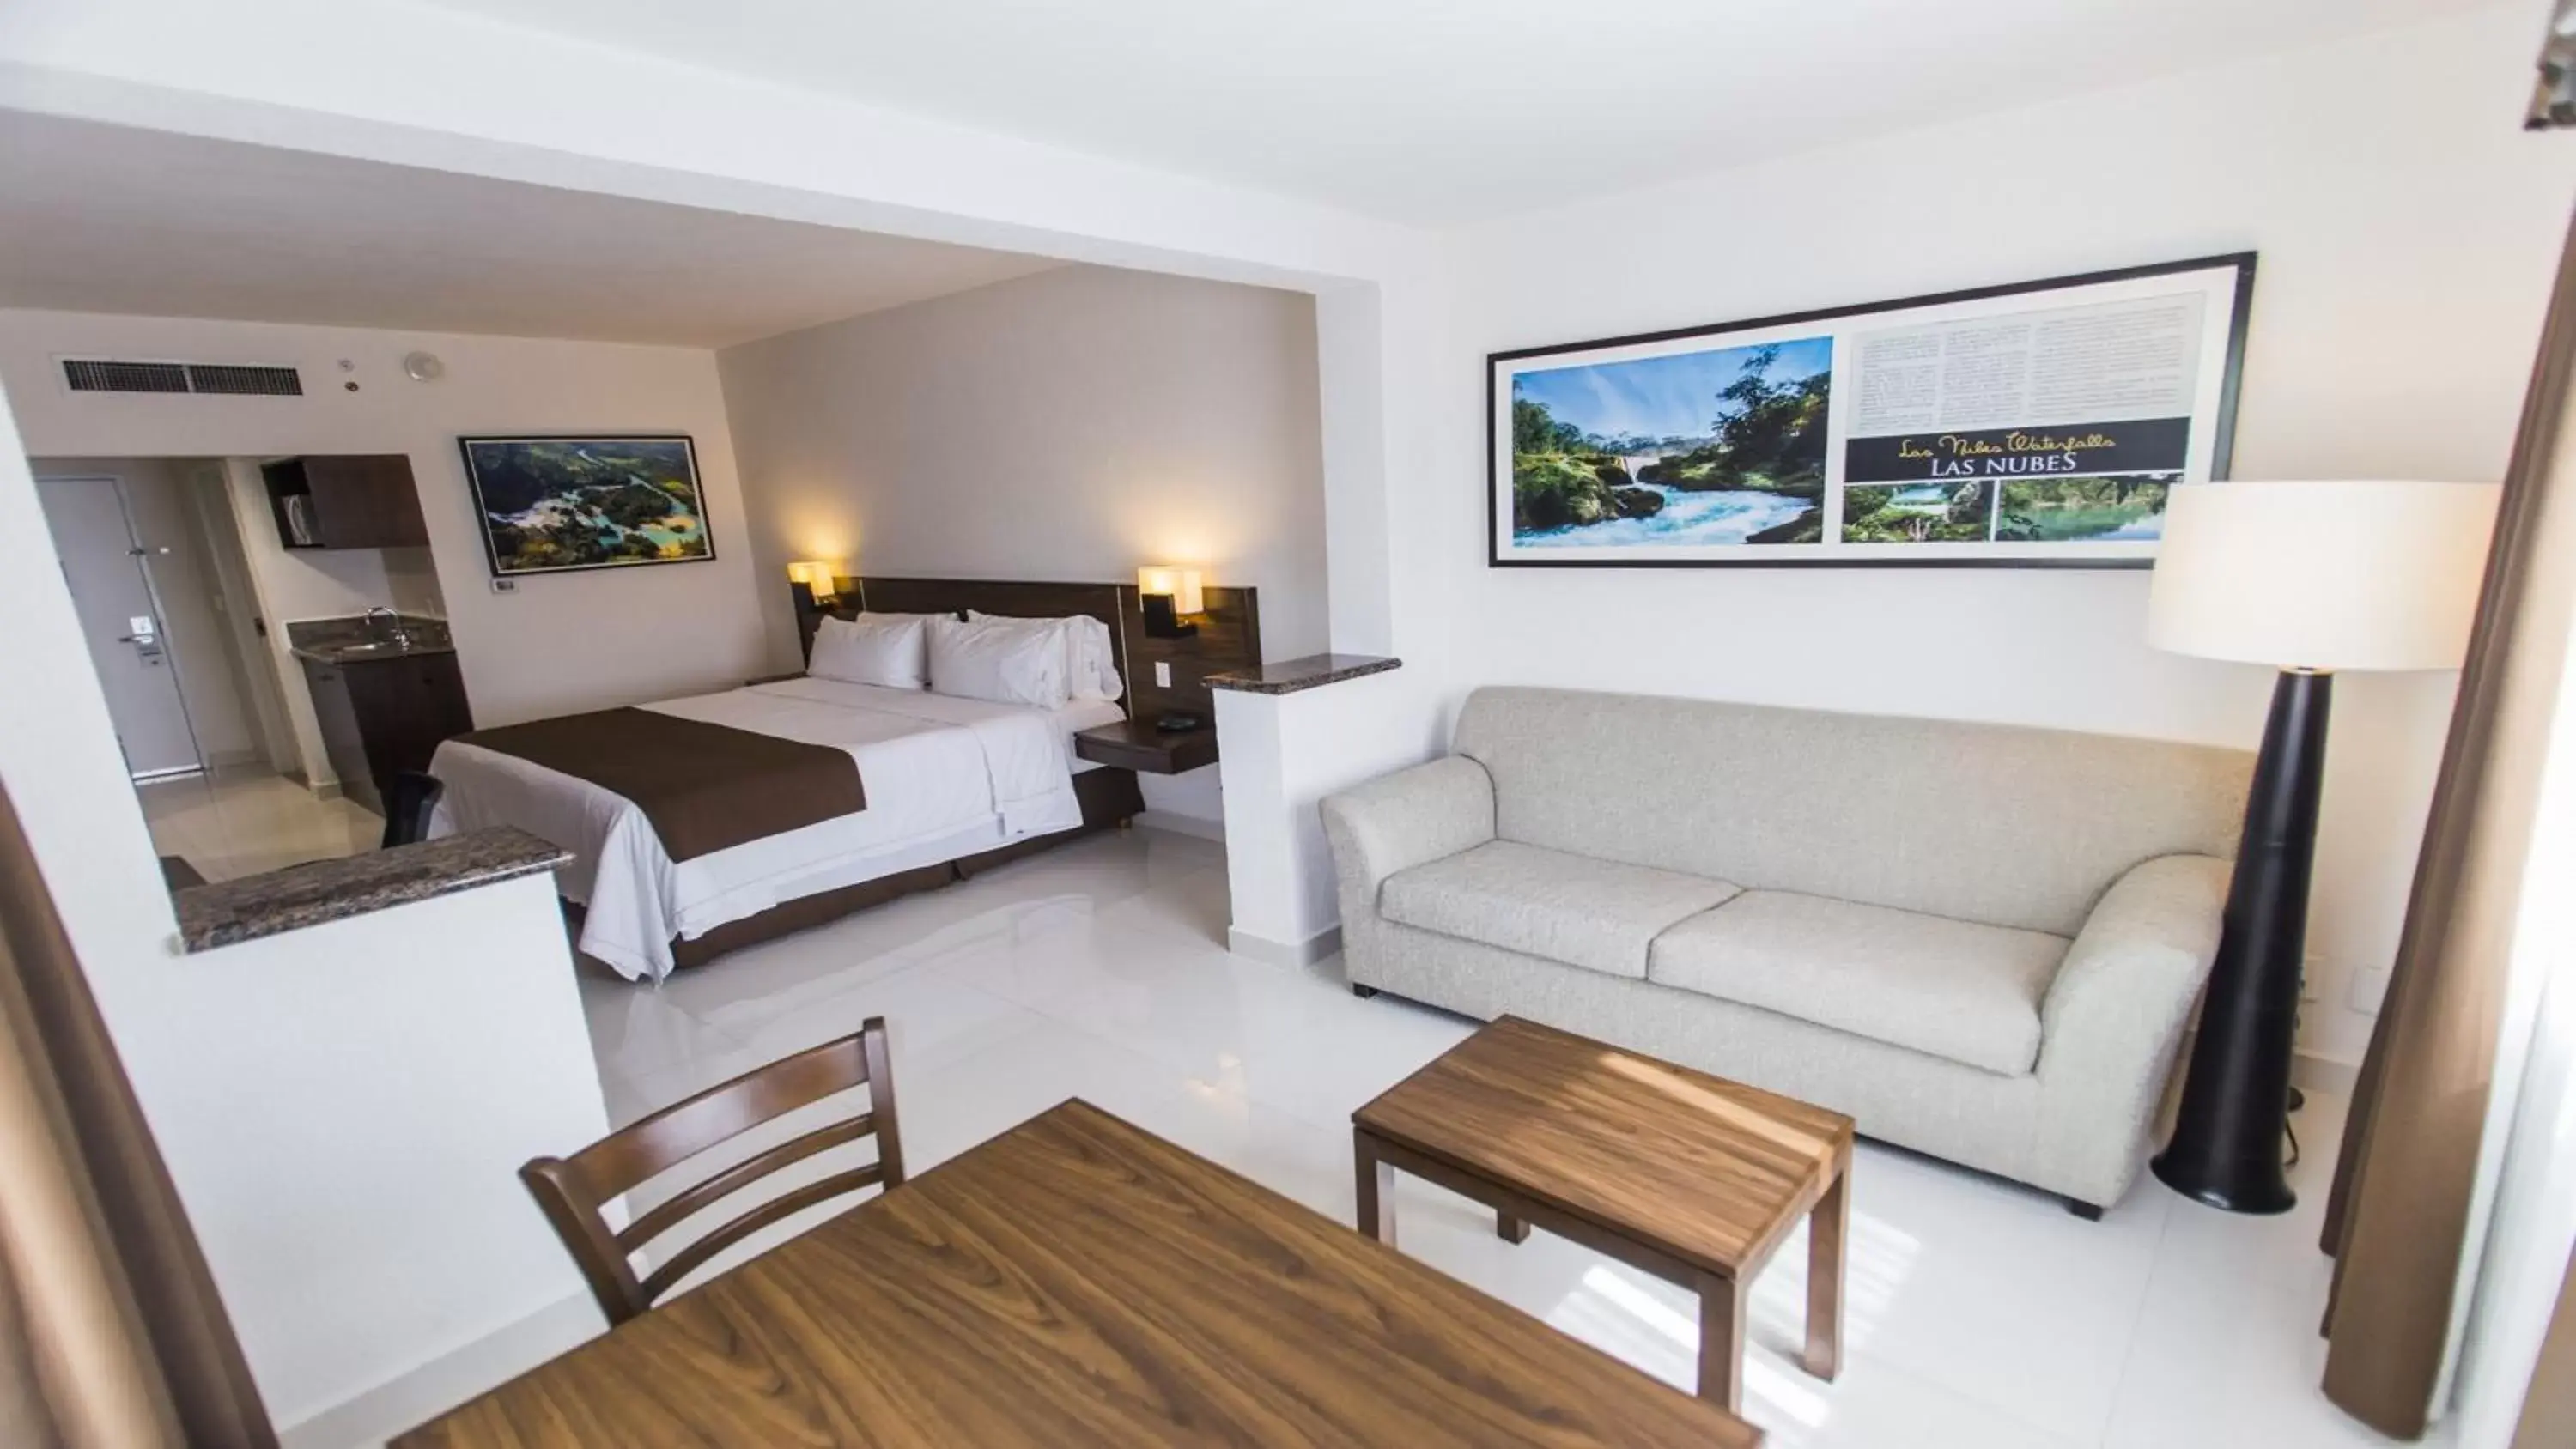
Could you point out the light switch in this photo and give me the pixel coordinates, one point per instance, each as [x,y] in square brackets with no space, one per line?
[1162,674]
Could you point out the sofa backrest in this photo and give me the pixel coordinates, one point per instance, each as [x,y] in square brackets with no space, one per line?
[1994,823]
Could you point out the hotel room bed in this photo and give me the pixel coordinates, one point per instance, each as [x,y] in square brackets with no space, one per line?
[947,779]
[946,786]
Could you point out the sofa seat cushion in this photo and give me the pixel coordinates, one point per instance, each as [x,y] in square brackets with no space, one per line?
[1953,989]
[1584,912]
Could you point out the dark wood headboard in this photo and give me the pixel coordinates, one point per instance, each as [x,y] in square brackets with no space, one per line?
[1229,635]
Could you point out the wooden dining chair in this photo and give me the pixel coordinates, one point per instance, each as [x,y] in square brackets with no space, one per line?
[572,1190]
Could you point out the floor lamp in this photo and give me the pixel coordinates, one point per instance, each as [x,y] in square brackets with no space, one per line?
[2310,578]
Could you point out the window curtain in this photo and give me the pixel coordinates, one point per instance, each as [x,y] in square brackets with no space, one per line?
[111,1333]
[2549,1411]
[2400,1212]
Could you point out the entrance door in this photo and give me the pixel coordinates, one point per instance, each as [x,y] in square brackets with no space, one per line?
[121,622]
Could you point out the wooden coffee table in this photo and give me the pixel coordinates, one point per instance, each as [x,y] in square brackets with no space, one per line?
[1687,1176]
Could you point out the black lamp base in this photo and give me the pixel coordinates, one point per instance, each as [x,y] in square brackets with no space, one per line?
[1161,622]
[2226,1147]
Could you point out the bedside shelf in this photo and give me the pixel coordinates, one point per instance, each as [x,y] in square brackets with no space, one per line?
[1137,745]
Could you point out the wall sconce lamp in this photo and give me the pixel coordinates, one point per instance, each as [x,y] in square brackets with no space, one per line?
[1169,596]
[817,575]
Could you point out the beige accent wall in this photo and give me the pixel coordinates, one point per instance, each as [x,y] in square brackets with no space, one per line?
[1070,425]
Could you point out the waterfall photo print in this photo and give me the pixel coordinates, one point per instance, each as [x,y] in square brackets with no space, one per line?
[2036,424]
[554,504]
[1718,447]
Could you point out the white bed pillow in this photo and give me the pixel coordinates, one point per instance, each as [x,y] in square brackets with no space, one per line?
[1002,660]
[1090,661]
[890,650]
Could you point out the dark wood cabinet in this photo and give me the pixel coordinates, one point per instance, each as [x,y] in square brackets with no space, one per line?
[381,716]
[345,500]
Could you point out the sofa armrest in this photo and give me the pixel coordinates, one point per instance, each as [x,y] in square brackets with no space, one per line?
[1403,820]
[2113,1017]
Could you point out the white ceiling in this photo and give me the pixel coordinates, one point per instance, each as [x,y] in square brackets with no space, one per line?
[106,219]
[1443,111]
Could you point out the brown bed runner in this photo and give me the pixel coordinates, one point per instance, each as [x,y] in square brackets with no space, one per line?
[705,787]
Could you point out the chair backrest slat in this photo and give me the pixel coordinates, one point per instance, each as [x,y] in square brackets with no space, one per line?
[655,1144]
[786,1204]
[734,1179]
[572,1191]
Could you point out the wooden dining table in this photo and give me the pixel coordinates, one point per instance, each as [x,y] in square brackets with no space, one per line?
[1080,1281]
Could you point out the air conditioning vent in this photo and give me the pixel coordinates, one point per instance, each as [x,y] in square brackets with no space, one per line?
[92,374]
[88,376]
[252,381]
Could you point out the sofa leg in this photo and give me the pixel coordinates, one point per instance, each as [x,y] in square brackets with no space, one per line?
[1362,992]
[2085,1210]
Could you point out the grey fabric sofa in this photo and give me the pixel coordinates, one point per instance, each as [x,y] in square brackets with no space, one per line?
[1981,942]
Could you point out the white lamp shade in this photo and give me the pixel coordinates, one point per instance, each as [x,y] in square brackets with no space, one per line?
[1182,584]
[817,575]
[2325,576]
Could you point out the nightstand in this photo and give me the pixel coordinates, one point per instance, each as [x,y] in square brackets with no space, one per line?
[1136,745]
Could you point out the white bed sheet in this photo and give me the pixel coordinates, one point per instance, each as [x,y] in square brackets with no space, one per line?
[945,777]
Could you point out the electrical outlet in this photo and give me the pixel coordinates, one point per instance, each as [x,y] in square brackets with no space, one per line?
[1162,674]
[505,586]
[2311,968]
[2369,989]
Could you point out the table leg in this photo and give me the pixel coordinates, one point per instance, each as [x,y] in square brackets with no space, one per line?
[1721,1341]
[1376,1183]
[1828,1232]
[1510,1229]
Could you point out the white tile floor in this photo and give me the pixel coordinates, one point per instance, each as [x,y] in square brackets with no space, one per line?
[242,825]
[1980,1313]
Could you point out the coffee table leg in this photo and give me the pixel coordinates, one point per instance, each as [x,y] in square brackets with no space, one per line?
[1510,1229]
[1376,1183]
[1721,1341]
[1828,1230]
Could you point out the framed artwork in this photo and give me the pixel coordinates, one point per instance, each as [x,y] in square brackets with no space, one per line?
[2032,425]
[553,504]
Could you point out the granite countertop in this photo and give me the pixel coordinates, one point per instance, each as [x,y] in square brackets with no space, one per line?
[1289,676]
[331,890]
[356,639]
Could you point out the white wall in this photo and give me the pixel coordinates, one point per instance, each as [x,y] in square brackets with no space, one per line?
[1069,425]
[561,643]
[342,1109]
[2407,232]
[2401,213]
[345,1109]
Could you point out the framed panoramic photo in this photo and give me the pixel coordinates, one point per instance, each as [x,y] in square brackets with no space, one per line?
[553,504]
[2037,425]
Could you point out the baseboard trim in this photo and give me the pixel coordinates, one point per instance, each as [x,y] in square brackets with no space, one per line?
[1283,953]
[1175,824]
[450,1379]
[2310,1072]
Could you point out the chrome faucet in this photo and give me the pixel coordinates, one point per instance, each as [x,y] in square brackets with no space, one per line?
[395,631]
